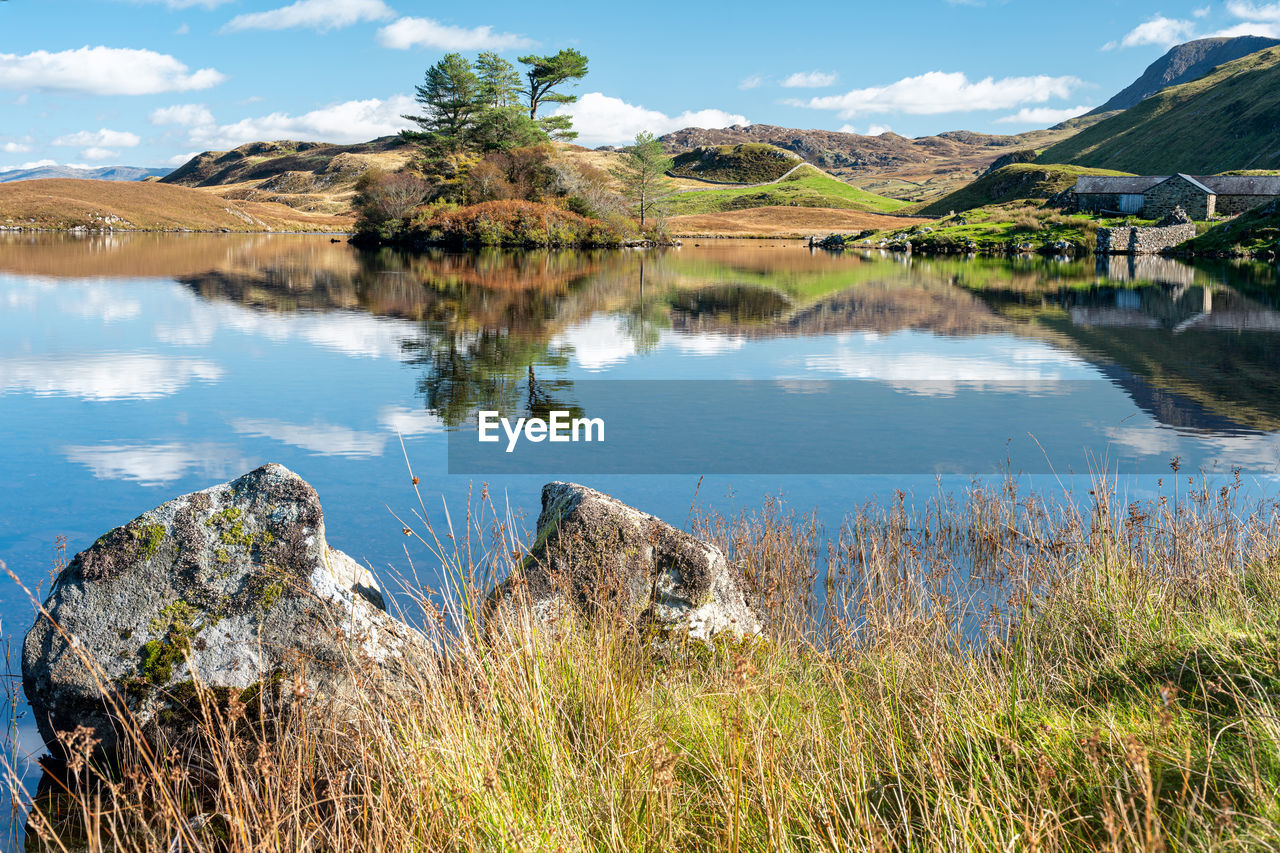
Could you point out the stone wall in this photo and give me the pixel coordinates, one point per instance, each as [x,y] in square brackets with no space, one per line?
[1230,205]
[1175,192]
[1129,240]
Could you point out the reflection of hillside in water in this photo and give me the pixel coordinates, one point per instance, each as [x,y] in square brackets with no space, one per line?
[1198,348]
[1195,347]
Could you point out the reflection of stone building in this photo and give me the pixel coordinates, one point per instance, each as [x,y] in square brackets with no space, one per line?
[1154,196]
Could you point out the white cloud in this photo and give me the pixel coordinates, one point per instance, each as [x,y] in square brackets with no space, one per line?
[98,154]
[14,148]
[317,437]
[315,14]
[102,71]
[182,30]
[1043,115]
[945,92]
[752,82]
[156,464]
[187,115]
[601,119]
[872,130]
[1251,12]
[1268,30]
[30,164]
[105,376]
[1159,30]
[425,32]
[810,80]
[1202,12]
[118,138]
[180,159]
[347,122]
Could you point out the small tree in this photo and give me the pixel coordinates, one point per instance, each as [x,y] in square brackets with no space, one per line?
[642,173]
[451,97]
[499,81]
[384,200]
[544,74]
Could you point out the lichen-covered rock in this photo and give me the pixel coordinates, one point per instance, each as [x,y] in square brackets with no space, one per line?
[595,556]
[234,587]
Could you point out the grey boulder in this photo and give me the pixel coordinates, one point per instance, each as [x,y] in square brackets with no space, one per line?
[233,587]
[595,557]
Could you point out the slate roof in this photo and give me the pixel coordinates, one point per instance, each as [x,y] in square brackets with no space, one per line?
[1217,184]
[1195,183]
[1093,184]
[1242,184]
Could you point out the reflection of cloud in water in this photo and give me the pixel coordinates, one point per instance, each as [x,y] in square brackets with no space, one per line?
[318,437]
[938,373]
[407,422]
[347,332]
[597,344]
[104,376]
[704,343]
[98,302]
[157,464]
[1145,441]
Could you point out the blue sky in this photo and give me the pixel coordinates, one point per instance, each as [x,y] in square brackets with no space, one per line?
[149,82]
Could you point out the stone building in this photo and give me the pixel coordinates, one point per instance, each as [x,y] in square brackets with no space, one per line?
[1155,196]
[1181,191]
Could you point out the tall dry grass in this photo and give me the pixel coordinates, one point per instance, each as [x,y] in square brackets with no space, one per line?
[999,671]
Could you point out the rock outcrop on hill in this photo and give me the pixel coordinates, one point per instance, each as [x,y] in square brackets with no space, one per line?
[596,557]
[1182,64]
[233,588]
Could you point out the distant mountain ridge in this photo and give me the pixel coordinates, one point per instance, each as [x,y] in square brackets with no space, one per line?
[103,173]
[1228,119]
[1183,64]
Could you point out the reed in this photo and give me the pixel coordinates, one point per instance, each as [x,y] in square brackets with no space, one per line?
[994,671]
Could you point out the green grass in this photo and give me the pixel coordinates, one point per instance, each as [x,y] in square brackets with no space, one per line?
[1126,697]
[748,163]
[998,229]
[1225,120]
[806,187]
[1254,232]
[1015,182]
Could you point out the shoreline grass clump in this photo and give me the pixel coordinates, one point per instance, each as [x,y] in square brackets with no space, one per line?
[1001,671]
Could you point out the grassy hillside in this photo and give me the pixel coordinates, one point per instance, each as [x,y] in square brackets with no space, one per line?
[806,187]
[1011,183]
[748,163]
[1255,232]
[1012,227]
[139,206]
[1226,120]
[311,176]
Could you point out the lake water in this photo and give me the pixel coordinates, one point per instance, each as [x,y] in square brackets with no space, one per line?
[134,368]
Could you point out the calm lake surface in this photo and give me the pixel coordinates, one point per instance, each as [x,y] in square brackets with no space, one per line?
[134,368]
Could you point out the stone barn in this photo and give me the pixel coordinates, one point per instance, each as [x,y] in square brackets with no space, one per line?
[1182,191]
[1155,196]
[1099,194]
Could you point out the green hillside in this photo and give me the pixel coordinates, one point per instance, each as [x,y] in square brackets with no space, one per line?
[1228,119]
[1252,233]
[1015,182]
[748,163]
[806,187]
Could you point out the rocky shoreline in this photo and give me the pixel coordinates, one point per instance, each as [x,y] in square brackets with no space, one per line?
[233,593]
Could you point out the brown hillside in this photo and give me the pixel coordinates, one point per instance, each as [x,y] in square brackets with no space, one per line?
[146,206]
[314,177]
[889,165]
